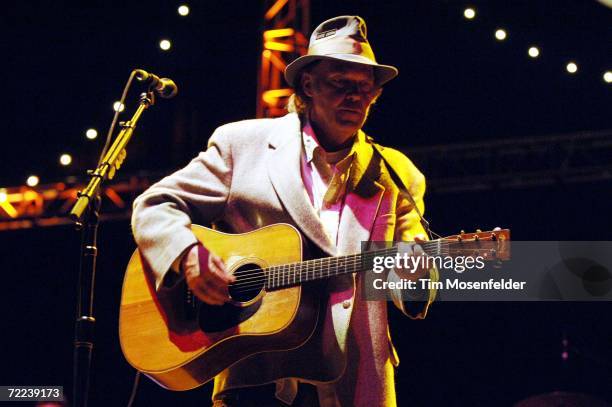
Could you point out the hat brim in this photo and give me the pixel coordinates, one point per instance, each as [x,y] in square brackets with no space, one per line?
[382,73]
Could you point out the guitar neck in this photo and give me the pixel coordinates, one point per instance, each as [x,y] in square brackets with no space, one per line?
[292,274]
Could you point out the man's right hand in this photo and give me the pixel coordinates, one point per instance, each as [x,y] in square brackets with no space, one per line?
[206,275]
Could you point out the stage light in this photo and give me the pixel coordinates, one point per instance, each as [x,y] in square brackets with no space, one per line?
[469,13]
[32,181]
[571,67]
[534,52]
[118,107]
[6,205]
[500,34]
[183,10]
[65,159]
[607,76]
[165,45]
[91,134]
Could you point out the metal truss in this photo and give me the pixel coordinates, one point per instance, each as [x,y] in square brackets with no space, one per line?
[502,164]
[49,205]
[284,37]
[516,163]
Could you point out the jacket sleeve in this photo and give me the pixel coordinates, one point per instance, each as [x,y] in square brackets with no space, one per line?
[162,215]
[413,303]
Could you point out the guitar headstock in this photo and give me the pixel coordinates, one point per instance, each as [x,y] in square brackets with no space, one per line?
[490,245]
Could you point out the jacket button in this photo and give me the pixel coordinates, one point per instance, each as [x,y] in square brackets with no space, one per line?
[346,304]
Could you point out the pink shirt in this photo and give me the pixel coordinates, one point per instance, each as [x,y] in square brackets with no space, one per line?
[325,176]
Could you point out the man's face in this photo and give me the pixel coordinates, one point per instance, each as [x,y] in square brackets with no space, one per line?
[341,94]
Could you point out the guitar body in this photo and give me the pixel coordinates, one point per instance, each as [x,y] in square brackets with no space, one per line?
[181,345]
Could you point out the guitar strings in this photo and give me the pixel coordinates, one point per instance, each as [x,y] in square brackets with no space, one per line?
[283,276]
[279,275]
[305,267]
[286,268]
[369,253]
[293,273]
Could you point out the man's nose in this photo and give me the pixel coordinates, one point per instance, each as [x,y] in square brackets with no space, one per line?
[353,93]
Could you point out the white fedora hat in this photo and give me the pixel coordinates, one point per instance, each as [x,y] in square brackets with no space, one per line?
[341,38]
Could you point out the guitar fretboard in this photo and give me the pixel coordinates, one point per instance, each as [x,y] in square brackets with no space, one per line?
[291,274]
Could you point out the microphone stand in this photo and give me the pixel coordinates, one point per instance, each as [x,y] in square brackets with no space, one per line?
[85,214]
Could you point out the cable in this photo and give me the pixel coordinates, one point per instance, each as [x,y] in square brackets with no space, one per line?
[134,388]
[111,130]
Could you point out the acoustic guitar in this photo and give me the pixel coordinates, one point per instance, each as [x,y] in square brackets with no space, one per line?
[181,342]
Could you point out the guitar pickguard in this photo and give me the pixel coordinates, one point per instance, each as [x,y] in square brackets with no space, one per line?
[213,318]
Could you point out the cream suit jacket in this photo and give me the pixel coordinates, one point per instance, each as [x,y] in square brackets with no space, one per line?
[249,177]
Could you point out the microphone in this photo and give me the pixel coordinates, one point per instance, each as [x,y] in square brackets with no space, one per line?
[164,87]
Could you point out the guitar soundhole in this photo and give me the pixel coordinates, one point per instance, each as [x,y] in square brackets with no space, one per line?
[250,280]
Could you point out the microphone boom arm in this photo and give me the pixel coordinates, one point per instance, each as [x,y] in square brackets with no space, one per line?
[111,161]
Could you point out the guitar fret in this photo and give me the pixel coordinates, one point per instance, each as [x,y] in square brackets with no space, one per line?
[287,273]
[313,270]
[323,265]
[277,270]
[322,271]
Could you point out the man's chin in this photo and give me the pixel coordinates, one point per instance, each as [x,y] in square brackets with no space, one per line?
[350,119]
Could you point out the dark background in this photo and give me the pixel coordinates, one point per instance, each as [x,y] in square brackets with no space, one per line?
[64,64]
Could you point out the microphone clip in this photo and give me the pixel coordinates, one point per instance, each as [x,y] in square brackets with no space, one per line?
[164,87]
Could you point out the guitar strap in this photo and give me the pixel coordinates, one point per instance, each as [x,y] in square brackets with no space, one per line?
[400,184]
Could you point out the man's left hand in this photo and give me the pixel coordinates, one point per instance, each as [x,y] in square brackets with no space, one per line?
[413,249]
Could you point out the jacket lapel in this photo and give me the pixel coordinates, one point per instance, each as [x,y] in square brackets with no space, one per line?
[362,202]
[286,178]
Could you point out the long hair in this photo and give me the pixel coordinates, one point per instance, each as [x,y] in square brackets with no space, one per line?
[299,101]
